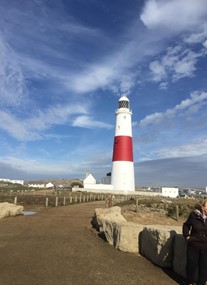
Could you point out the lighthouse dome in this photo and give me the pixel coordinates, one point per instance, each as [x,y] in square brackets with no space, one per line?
[124,98]
[124,102]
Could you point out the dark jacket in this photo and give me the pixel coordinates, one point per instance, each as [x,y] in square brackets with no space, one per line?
[196,227]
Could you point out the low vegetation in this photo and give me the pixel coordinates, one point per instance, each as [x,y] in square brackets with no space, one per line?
[170,206]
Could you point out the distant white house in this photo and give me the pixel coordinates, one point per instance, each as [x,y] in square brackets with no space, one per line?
[171,192]
[89,180]
[90,185]
[49,185]
[12,181]
[36,184]
[5,180]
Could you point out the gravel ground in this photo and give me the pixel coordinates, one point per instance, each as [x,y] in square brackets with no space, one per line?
[59,247]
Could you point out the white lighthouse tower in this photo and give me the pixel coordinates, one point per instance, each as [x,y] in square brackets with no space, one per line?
[122,177]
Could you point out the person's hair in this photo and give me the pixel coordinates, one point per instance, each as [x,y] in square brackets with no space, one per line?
[198,207]
[204,203]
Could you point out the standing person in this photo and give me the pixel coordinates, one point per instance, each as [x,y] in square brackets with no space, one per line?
[195,233]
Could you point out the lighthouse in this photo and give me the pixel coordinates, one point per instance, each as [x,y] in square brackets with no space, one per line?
[122,177]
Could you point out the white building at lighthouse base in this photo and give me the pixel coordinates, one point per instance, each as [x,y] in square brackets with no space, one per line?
[90,185]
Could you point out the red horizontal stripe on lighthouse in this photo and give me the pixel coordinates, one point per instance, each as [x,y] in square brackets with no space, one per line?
[122,149]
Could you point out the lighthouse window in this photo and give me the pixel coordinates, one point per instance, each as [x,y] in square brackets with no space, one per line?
[123,104]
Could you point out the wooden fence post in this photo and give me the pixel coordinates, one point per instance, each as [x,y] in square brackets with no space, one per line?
[15,200]
[64,200]
[177,212]
[106,203]
[56,201]
[110,202]
[46,202]
[137,204]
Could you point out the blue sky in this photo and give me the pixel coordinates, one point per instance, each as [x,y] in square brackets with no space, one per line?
[62,66]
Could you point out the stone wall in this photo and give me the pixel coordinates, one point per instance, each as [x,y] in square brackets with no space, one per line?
[164,246]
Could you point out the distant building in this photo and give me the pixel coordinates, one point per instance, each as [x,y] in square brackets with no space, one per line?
[89,184]
[89,180]
[49,185]
[13,181]
[36,184]
[106,179]
[171,192]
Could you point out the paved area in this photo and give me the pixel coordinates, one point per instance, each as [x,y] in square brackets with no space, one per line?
[58,247]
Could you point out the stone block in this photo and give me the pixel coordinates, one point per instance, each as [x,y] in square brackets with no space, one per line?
[179,256]
[10,210]
[127,235]
[157,244]
[107,214]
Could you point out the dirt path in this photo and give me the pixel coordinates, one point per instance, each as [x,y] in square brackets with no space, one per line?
[57,247]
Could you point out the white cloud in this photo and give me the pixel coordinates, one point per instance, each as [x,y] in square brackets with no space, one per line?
[175,64]
[194,103]
[158,71]
[173,15]
[185,66]
[95,77]
[56,115]
[197,37]
[13,91]
[205,44]
[163,85]
[16,128]
[113,72]
[127,83]
[32,128]
[151,119]
[89,122]
[37,166]
[195,148]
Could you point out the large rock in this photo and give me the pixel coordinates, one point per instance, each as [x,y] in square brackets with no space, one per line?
[110,232]
[112,214]
[127,236]
[180,254]
[123,235]
[117,231]
[157,244]
[10,210]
